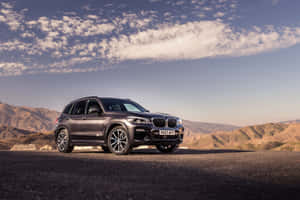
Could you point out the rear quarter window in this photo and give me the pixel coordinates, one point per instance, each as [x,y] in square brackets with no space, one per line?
[67,109]
[79,108]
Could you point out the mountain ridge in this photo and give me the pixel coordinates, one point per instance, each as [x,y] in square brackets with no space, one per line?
[271,136]
[197,127]
[27,118]
[26,122]
[7,132]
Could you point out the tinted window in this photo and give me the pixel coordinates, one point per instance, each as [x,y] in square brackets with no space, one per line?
[119,105]
[131,108]
[79,108]
[67,109]
[93,107]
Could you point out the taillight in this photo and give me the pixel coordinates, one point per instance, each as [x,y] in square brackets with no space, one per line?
[56,121]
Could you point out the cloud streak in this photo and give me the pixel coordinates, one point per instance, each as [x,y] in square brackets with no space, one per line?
[12,69]
[198,40]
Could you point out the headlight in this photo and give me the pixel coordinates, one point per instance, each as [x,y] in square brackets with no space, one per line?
[179,122]
[139,120]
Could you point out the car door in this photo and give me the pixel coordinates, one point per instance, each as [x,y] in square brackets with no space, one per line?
[94,123]
[77,120]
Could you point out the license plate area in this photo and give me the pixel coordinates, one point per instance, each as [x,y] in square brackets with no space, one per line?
[167,132]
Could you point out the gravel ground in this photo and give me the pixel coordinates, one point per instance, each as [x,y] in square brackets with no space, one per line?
[146,174]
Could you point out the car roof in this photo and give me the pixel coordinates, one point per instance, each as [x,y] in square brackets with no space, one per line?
[96,97]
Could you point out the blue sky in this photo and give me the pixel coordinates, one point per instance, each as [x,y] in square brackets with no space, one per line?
[225,61]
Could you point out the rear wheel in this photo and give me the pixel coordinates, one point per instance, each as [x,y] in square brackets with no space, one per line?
[63,142]
[118,141]
[166,148]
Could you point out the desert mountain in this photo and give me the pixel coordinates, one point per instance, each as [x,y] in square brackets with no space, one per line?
[271,136]
[38,139]
[194,127]
[21,124]
[27,118]
[7,132]
[291,121]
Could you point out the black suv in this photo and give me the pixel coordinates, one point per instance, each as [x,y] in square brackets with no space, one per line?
[117,125]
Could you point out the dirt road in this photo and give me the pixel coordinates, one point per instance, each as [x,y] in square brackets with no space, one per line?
[146,174]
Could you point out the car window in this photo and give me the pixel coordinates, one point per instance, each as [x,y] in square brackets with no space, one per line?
[67,109]
[131,108]
[79,108]
[94,107]
[120,105]
[114,107]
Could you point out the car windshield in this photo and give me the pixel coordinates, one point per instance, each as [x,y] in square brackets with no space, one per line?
[119,105]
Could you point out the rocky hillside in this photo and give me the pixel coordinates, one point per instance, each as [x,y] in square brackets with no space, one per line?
[272,136]
[26,118]
[38,139]
[194,127]
[7,132]
[25,125]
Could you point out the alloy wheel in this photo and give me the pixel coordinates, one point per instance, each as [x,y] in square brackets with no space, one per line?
[62,141]
[118,140]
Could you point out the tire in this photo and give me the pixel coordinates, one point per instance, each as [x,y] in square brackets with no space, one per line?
[166,148]
[105,149]
[63,142]
[118,141]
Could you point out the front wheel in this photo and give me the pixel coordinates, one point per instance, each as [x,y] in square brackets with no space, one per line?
[166,148]
[118,141]
[63,142]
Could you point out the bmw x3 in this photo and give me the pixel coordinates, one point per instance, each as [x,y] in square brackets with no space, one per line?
[117,125]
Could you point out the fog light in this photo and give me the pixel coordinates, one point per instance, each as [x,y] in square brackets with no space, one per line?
[140,130]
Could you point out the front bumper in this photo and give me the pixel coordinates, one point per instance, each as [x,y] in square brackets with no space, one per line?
[149,135]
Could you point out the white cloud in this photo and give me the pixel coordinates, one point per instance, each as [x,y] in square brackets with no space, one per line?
[11,68]
[70,62]
[73,26]
[6,5]
[195,41]
[95,17]
[10,17]
[16,45]
[201,15]
[207,8]
[219,14]
[133,20]
[27,35]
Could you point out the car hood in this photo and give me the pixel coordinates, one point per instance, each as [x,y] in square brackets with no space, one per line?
[150,115]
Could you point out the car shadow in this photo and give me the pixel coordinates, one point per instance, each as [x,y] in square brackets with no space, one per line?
[177,152]
[188,151]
